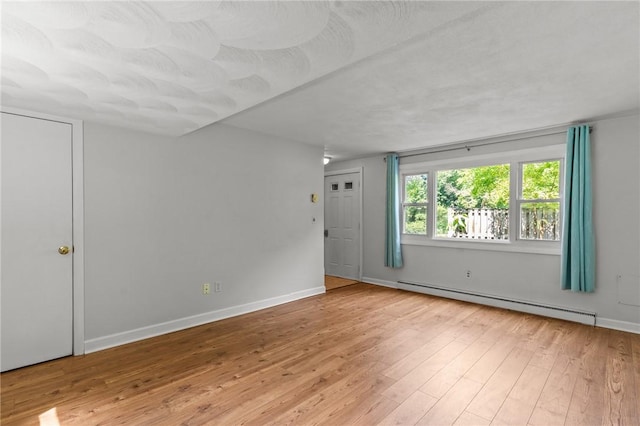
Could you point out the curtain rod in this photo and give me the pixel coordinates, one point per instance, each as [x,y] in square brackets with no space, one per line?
[468,147]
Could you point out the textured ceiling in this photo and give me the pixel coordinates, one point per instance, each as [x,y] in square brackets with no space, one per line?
[174,67]
[357,77]
[504,68]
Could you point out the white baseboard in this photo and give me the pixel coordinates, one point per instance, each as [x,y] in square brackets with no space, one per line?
[559,312]
[627,326]
[383,283]
[525,306]
[118,339]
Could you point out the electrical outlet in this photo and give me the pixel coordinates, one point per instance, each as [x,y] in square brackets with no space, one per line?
[206,288]
[468,273]
[217,287]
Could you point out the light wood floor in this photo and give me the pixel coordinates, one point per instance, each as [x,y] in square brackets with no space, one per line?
[331,282]
[358,355]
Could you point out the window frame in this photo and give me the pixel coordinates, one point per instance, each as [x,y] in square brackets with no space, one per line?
[521,200]
[489,163]
[404,204]
[514,158]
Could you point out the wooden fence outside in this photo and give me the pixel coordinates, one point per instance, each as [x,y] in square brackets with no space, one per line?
[493,224]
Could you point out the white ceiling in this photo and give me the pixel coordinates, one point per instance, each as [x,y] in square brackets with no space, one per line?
[355,77]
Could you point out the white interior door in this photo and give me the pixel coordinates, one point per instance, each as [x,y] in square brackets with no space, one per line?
[342,225]
[36,225]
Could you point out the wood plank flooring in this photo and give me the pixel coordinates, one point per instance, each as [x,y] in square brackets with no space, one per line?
[331,282]
[358,355]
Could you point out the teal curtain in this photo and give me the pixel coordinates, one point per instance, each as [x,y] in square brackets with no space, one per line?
[578,251]
[392,251]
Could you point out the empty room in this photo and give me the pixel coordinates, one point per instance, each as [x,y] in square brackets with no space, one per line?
[320,212]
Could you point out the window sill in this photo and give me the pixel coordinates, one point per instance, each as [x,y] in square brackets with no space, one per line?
[531,247]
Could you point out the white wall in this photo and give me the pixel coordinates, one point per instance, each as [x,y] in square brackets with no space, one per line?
[533,277]
[165,215]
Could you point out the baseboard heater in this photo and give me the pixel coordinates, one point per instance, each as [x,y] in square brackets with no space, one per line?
[568,314]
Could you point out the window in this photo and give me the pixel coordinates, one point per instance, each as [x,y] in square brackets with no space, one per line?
[539,200]
[414,204]
[473,203]
[511,199]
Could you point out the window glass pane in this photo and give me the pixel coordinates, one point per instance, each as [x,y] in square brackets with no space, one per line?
[334,187]
[415,189]
[541,181]
[473,203]
[415,220]
[540,221]
[348,186]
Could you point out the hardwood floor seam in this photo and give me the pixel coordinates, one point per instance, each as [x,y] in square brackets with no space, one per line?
[357,355]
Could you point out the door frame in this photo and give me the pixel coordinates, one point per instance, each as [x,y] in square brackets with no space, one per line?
[360,171]
[77,161]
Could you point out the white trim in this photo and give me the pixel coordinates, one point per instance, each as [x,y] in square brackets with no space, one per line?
[78,237]
[513,157]
[474,143]
[559,312]
[540,132]
[630,327]
[383,283]
[77,135]
[141,333]
[478,160]
[627,326]
[532,247]
[343,171]
[361,225]
[360,171]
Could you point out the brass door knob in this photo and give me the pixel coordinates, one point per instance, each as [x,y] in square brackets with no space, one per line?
[63,250]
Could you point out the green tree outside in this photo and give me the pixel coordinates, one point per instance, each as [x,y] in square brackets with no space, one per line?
[416,216]
[541,180]
[477,187]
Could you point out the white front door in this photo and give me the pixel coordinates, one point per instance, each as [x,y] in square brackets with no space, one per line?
[342,225]
[36,200]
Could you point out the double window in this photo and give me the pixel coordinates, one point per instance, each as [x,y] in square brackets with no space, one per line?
[509,200]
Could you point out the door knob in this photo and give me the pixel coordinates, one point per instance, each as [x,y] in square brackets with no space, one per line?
[63,250]
[326,233]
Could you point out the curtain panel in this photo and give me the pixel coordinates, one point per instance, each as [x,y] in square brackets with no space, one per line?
[578,248]
[393,251]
